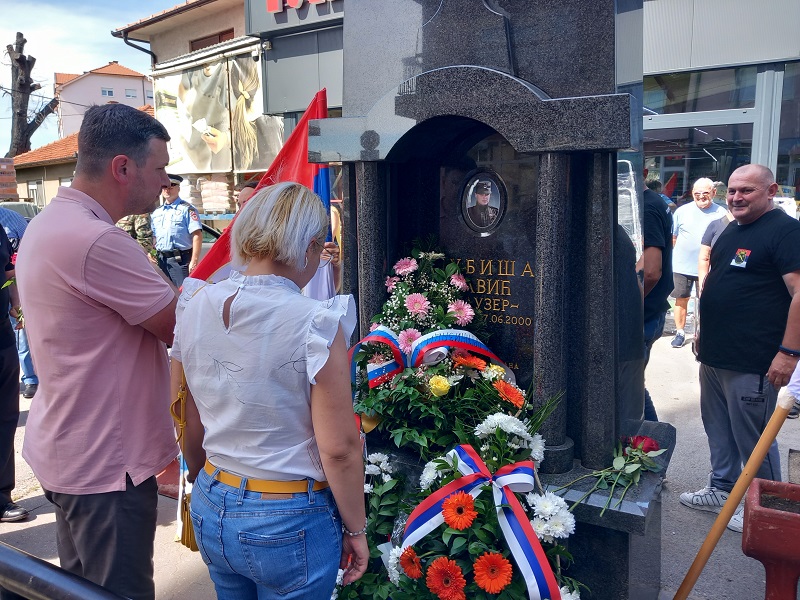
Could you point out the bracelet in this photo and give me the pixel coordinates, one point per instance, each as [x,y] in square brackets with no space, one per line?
[789,351]
[354,533]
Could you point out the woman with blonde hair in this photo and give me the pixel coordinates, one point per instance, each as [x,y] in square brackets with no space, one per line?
[277,504]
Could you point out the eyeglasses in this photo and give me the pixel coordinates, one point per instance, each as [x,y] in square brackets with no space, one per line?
[701,194]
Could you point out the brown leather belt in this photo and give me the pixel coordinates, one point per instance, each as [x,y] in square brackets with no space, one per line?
[264,485]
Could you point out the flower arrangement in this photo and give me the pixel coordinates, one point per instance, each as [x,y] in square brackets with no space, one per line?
[440,396]
[630,461]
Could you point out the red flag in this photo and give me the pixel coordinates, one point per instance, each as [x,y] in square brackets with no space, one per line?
[669,186]
[291,164]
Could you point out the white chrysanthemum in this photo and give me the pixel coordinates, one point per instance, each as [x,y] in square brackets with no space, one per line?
[567,594]
[429,475]
[394,561]
[386,477]
[505,422]
[367,488]
[561,525]
[539,527]
[386,467]
[546,506]
[372,470]
[537,448]
[377,457]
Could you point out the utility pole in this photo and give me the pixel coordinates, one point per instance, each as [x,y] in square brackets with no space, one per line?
[22,86]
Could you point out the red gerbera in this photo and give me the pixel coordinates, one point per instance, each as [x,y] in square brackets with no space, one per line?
[459,510]
[469,361]
[492,572]
[445,579]
[510,392]
[410,563]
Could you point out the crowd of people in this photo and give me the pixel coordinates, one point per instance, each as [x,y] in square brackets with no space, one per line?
[269,439]
[744,259]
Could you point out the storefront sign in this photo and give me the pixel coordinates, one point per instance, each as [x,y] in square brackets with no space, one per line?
[276,6]
[265,17]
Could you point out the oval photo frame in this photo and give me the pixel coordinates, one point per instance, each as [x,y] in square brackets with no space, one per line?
[483,201]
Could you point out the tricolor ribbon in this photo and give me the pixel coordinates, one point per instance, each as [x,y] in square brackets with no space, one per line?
[514,523]
[427,349]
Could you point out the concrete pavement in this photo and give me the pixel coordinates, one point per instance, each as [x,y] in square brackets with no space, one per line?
[672,380]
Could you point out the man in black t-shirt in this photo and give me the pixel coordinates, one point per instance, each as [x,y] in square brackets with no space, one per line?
[750,340]
[656,264]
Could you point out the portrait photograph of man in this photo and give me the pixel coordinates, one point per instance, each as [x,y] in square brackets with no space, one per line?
[482,202]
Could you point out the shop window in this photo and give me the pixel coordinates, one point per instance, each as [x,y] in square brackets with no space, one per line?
[210,40]
[107,92]
[719,89]
[788,171]
[679,156]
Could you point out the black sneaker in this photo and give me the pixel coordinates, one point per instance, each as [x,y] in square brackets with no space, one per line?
[678,341]
[30,390]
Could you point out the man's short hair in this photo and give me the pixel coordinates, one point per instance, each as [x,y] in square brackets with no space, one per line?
[114,129]
[245,184]
[654,185]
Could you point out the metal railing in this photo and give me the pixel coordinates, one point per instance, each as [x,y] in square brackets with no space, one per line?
[23,576]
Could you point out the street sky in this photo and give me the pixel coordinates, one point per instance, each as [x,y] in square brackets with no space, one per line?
[67,36]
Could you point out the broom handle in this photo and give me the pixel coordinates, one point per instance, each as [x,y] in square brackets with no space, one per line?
[736,495]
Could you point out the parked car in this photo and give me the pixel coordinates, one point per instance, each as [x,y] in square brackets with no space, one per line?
[26,209]
[210,235]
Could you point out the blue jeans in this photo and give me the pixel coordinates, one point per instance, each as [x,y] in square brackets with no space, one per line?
[24,352]
[653,329]
[263,548]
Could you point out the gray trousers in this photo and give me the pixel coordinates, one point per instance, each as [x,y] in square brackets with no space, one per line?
[736,408]
[109,538]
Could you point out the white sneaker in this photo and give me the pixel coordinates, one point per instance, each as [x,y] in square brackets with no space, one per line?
[737,520]
[709,498]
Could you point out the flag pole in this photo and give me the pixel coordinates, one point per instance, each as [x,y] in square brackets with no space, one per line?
[735,497]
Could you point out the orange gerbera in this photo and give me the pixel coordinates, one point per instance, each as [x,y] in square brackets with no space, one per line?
[510,392]
[459,510]
[469,361]
[411,563]
[492,572]
[445,579]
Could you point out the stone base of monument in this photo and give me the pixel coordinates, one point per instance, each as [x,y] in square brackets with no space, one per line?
[618,555]
[558,459]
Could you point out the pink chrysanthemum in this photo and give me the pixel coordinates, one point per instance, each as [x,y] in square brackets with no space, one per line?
[374,326]
[391,283]
[405,266]
[459,282]
[406,338]
[462,311]
[417,305]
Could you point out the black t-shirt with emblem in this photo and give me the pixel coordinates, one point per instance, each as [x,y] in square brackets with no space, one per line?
[745,302]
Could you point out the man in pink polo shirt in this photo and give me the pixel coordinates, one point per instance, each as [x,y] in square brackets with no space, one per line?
[98,317]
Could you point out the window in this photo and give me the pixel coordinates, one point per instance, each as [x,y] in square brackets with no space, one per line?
[130,93]
[65,182]
[35,190]
[108,92]
[788,172]
[700,90]
[148,94]
[222,36]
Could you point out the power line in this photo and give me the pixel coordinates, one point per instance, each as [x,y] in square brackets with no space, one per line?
[33,95]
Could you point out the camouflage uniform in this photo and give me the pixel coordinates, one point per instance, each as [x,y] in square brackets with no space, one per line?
[139,228]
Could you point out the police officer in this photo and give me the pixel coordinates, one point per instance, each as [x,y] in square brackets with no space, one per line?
[481,214]
[178,233]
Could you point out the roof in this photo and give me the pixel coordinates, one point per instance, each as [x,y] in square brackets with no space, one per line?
[144,28]
[62,78]
[61,151]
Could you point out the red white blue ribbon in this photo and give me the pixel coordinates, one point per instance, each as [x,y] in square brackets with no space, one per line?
[514,523]
[429,348]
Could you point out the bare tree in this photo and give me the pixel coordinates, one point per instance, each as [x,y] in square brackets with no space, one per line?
[22,86]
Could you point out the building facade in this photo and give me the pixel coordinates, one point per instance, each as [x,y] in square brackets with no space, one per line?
[110,83]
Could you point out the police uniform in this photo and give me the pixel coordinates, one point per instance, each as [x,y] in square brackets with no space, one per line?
[173,225]
[482,216]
